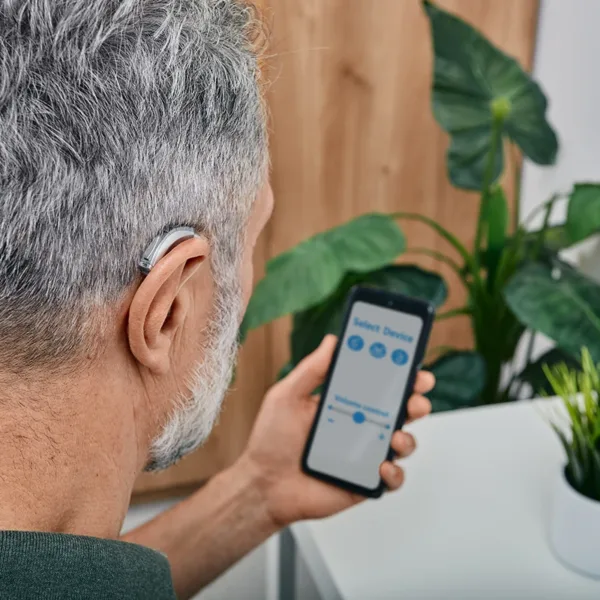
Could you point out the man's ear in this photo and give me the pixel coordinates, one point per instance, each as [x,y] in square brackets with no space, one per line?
[160,303]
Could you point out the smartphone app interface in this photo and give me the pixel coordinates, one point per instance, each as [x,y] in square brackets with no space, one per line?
[365,394]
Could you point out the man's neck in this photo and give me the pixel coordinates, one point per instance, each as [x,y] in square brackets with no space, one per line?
[67,464]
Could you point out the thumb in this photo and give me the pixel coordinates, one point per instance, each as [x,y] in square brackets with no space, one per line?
[311,371]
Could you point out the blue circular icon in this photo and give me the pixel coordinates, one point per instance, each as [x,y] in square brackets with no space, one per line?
[359,417]
[356,343]
[378,350]
[399,357]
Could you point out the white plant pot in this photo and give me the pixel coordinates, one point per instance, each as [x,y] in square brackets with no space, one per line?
[575,528]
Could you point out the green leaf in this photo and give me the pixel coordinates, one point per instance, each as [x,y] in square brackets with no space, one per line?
[460,379]
[497,223]
[474,82]
[558,301]
[589,368]
[534,375]
[310,272]
[409,280]
[574,469]
[583,212]
[555,239]
[579,390]
[312,325]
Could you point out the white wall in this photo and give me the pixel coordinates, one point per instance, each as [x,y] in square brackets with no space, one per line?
[566,65]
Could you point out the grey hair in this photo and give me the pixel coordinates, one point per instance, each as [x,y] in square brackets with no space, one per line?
[119,119]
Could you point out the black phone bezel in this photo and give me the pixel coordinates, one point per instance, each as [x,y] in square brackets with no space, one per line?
[386,299]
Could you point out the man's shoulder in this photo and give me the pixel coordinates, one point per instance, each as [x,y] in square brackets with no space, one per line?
[53,565]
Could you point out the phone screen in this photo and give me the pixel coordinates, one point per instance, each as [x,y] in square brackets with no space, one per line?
[365,393]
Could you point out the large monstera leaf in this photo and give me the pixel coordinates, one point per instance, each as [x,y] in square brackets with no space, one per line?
[560,302]
[310,326]
[460,377]
[583,213]
[311,271]
[473,83]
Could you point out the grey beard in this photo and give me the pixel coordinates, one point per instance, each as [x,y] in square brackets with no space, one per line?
[193,418]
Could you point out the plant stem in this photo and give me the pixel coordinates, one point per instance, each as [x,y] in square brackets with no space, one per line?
[530,346]
[539,243]
[517,190]
[442,258]
[449,237]
[542,207]
[528,355]
[497,333]
[490,391]
[488,177]
[465,310]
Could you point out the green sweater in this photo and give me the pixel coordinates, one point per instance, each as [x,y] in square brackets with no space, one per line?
[55,566]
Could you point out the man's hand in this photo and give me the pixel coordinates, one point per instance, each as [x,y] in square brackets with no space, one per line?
[275,447]
[265,489]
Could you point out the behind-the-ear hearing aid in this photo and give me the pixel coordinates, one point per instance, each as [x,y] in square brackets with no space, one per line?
[161,244]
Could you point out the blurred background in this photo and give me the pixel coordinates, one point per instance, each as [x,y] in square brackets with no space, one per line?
[348,86]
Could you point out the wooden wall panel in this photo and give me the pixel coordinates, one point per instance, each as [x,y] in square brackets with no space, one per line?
[352,132]
[352,125]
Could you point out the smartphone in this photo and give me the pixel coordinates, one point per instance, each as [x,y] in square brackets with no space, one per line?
[365,395]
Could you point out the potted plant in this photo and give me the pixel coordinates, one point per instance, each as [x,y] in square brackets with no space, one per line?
[515,278]
[575,526]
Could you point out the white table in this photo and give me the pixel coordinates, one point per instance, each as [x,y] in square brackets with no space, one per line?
[470,522]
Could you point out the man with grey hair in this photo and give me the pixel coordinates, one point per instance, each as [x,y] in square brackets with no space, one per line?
[133,130]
